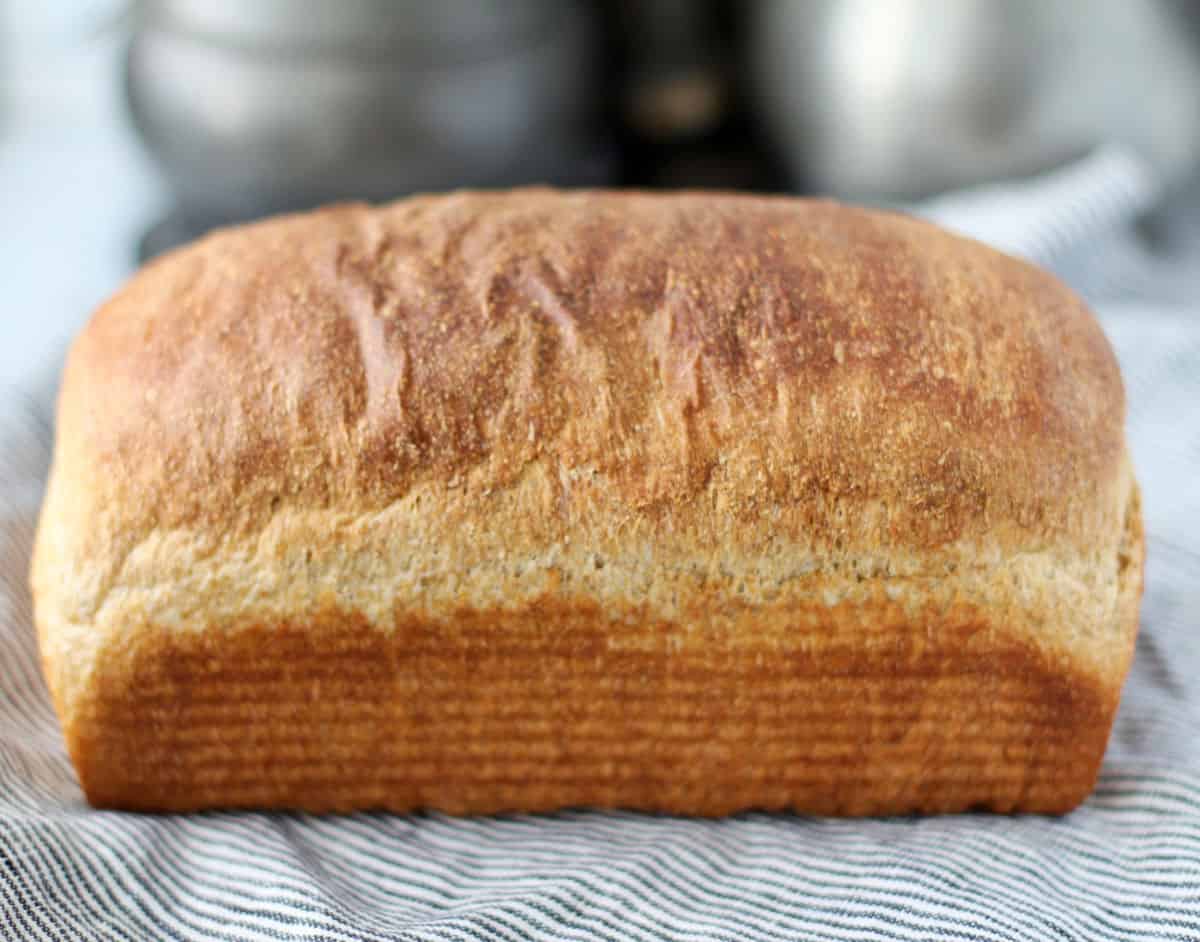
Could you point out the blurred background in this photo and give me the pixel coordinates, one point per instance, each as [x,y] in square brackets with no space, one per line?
[129,127]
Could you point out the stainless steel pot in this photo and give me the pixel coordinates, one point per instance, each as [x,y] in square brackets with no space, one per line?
[900,99]
[258,107]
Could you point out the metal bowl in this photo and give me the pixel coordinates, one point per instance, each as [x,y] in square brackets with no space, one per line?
[253,108]
[898,100]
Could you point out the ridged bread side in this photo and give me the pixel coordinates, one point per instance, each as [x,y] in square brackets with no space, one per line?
[534,499]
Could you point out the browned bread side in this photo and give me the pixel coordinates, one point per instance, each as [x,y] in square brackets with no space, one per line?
[533,499]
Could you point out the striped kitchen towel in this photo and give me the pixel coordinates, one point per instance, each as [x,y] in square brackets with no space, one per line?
[1125,866]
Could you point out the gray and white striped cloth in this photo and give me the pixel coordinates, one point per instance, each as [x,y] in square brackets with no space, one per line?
[1124,866]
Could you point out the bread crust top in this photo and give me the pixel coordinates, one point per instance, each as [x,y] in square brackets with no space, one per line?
[333,359]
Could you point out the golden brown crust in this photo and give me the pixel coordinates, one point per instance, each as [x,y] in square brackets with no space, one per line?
[552,707]
[563,423]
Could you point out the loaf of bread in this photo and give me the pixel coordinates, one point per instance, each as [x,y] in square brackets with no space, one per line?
[529,500]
